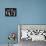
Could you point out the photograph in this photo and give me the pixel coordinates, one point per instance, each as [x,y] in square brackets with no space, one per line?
[10,11]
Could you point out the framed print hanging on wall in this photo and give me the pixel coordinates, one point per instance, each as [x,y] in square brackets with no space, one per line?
[10,11]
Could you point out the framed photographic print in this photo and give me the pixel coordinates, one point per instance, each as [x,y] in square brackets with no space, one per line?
[10,11]
[33,32]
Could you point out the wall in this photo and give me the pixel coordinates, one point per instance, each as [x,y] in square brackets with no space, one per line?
[28,12]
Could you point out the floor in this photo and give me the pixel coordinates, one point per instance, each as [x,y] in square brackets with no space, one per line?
[30,43]
[7,45]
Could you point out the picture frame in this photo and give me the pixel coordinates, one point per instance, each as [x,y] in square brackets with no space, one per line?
[10,11]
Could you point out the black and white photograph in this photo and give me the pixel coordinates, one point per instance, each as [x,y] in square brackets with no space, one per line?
[10,11]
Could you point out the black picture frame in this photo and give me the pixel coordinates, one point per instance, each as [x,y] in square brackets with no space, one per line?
[10,11]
